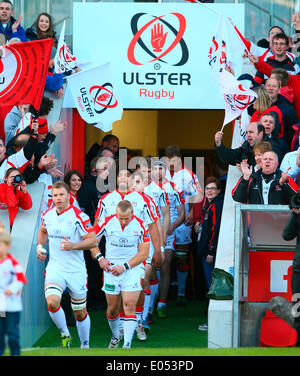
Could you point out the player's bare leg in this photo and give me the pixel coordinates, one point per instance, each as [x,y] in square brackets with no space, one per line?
[130,299]
[113,317]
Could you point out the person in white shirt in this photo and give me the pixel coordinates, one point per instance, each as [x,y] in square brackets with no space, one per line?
[185,180]
[12,280]
[127,247]
[66,228]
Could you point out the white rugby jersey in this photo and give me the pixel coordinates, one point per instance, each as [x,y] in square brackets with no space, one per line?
[122,243]
[175,198]
[72,224]
[12,278]
[187,182]
[143,206]
[158,194]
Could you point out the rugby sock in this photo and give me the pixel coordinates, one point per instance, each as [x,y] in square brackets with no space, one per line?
[114,324]
[147,294]
[139,315]
[121,320]
[130,323]
[59,319]
[161,303]
[154,288]
[83,329]
[182,274]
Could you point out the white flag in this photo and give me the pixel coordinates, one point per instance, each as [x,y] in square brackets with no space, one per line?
[64,60]
[96,96]
[237,96]
[226,48]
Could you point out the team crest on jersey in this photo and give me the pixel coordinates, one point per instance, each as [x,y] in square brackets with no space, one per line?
[134,204]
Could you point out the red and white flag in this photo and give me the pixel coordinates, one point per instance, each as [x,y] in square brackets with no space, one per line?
[237,97]
[96,96]
[64,60]
[23,72]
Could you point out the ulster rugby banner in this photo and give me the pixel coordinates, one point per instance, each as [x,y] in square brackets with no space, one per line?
[158,52]
[64,60]
[96,97]
[23,71]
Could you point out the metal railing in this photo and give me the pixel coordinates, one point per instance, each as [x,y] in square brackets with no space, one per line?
[244,242]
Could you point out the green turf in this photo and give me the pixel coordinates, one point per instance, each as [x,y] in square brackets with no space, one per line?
[178,330]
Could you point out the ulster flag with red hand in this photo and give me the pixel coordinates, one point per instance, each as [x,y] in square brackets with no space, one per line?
[23,71]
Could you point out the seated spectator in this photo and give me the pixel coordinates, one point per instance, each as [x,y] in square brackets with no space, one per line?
[258,151]
[42,28]
[291,162]
[254,133]
[266,186]
[13,194]
[208,230]
[9,26]
[74,180]
[13,119]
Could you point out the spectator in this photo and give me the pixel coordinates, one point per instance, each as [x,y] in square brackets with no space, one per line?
[208,230]
[259,150]
[74,180]
[268,122]
[293,83]
[13,119]
[291,163]
[88,198]
[13,194]
[254,134]
[9,26]
[42,28]
[280,59]
[266,186]
[12,280]
[109,141]
[286,113]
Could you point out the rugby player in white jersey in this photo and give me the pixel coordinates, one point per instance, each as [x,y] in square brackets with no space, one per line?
[160,198]
[185,180]
[127,247]
[66,228]
[144,209]
[177,213]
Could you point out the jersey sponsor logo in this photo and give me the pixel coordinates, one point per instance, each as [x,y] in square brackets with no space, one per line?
[123,240]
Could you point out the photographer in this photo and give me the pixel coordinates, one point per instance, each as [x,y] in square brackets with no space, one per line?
[290,232]
[13,194]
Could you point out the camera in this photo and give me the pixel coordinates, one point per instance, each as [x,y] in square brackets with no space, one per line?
[295,201]
[17,179]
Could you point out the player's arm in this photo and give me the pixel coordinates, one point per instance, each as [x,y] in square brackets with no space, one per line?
[180,218]
[89,241]
[166,223]
[42,239]
[156,240]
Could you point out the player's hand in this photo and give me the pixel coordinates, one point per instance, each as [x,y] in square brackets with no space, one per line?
[66,245]
[41,253]
[189,219]
[105,264]
[8,292]
[157,259]
[117,270]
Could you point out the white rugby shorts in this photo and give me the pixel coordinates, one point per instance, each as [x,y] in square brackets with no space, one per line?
[129,280]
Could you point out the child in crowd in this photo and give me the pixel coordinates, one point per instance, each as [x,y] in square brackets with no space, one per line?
[12,280]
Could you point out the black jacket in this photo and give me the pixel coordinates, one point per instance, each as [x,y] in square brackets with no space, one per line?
[88,197]
[290,232]
[250,191]
[211,221]
[245,151]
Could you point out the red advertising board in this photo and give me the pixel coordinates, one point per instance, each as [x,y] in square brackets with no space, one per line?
[269,275]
